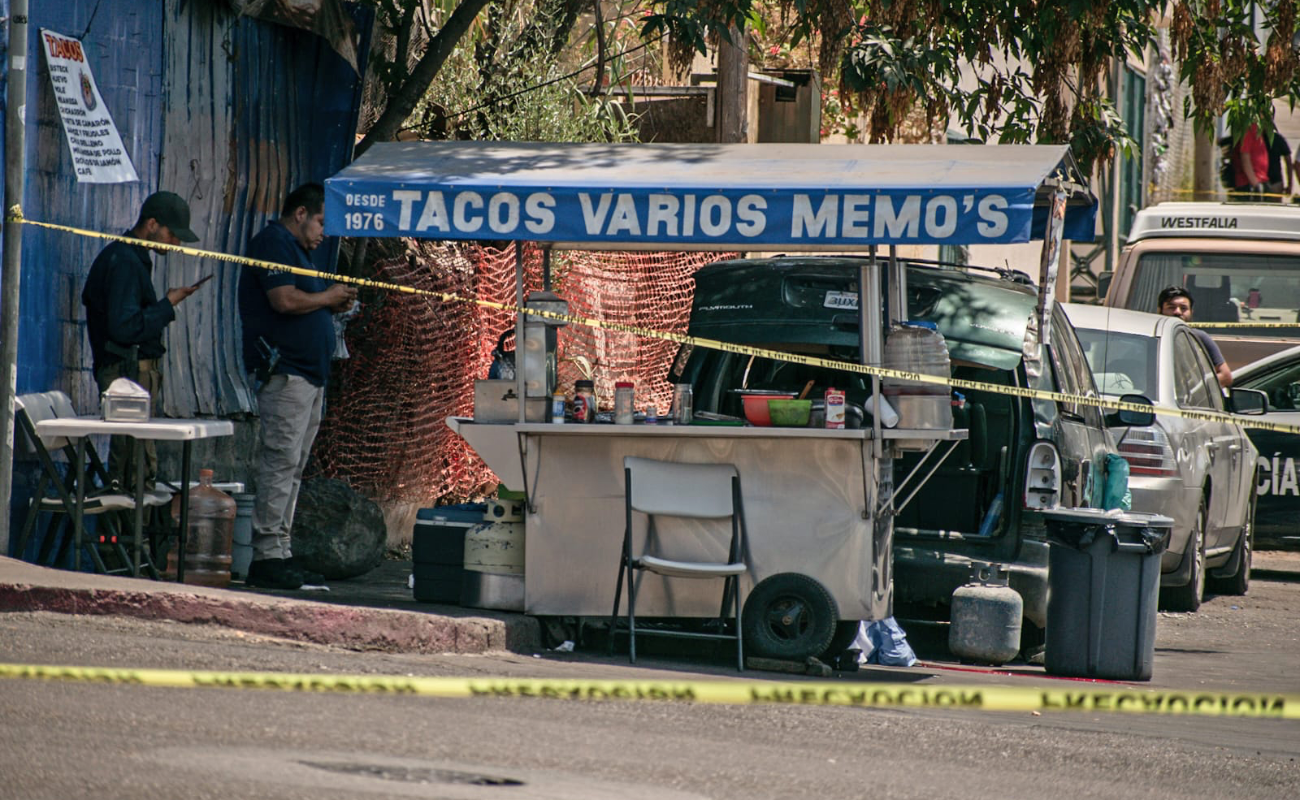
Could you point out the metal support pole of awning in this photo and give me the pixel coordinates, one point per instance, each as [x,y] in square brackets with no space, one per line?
[896,509]
[870,331]
[519,328]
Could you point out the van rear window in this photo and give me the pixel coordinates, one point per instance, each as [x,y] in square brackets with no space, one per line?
[1225,287]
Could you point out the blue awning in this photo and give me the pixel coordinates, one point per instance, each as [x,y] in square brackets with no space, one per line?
[708,196]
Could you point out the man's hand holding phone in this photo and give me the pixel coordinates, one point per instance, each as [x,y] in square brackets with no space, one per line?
[178,293]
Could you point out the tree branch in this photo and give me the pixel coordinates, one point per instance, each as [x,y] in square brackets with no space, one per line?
[403,102]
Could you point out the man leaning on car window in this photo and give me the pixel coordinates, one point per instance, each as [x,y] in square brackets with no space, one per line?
[1176,302]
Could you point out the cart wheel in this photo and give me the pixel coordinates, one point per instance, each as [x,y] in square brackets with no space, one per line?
[845,632]
[789,616]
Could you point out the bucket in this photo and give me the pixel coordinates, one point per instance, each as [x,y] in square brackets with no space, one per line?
[242,550]
[494,566]
[918,347]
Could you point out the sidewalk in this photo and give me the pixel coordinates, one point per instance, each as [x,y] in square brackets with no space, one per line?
[372,612]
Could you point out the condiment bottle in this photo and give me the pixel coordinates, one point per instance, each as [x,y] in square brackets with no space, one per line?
[623,395]
[834,406]
[584,401]
[557,407]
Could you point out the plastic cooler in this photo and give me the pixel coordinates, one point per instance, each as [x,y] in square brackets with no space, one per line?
[438,550]
[1103,584]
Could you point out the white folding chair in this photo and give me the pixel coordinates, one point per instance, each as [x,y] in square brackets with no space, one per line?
[671,489]
[107,506]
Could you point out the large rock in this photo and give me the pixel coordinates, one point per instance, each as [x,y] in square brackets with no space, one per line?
[336,531]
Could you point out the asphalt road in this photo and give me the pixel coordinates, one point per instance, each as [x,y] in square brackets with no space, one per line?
[71,740]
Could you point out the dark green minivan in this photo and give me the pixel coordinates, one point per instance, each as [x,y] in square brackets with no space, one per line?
[975,507]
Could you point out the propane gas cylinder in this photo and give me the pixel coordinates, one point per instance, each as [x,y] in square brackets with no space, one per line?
[986,615]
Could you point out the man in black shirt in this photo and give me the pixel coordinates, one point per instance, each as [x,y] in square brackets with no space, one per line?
[1175,301]
[288,321]
[125,318]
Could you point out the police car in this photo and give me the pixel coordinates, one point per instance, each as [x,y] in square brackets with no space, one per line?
[1277,483]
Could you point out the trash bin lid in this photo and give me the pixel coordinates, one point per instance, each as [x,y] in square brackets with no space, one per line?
[1079,527]
[1144,519]
[1086,516]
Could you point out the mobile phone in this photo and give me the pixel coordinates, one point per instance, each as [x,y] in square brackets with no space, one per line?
[201,281]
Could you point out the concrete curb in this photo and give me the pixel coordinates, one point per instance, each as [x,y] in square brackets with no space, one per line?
[24,587]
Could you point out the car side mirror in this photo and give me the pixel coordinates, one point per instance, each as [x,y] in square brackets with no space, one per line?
[1247,401]
[1130,417]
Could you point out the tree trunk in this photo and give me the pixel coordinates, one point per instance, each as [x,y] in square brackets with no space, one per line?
[733,89]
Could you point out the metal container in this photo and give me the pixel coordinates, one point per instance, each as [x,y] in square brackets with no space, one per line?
[494,567]
[498,401]
[495,592]
[918,347]
[683,403]
[125,408]
[496,547]
[986,617]
[538,353]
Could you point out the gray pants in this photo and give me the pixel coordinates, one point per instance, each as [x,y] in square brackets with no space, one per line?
[290,410]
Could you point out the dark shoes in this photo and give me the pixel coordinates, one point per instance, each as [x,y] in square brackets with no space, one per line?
[308,577]
[273,573]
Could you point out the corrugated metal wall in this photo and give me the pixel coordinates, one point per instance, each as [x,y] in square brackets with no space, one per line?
[228,112]
[253,110]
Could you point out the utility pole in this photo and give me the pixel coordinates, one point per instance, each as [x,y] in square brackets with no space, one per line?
[733,89]
[15,111]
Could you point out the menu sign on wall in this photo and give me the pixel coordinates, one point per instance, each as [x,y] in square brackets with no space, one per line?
[97,152]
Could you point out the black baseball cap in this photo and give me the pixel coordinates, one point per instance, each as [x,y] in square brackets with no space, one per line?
[169,209]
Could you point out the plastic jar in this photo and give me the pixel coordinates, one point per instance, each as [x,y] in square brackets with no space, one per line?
[208,540]
[584,401]
[623,397]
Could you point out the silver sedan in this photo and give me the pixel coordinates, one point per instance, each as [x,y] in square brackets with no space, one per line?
[1199,472]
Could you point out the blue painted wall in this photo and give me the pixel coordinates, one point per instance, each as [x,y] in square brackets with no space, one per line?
[229,112]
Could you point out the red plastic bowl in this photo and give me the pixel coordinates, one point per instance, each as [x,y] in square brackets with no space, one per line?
[756,410]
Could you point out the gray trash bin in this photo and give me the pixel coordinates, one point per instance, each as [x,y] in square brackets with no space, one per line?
[1103,583]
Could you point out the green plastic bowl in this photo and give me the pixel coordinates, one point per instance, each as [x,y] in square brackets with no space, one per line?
[789,413]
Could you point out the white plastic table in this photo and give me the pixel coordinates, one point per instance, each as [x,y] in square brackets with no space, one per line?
[170,430]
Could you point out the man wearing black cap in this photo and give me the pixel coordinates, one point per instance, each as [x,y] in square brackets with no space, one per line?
[125,318]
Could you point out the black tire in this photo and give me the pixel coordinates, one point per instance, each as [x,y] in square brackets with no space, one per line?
[1239,583]
[845,632]
[1188,597]
[789,616]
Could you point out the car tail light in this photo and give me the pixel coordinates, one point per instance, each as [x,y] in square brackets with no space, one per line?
[1148,452]
[1043,477]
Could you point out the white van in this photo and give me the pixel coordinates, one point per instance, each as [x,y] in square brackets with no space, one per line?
[1239,261]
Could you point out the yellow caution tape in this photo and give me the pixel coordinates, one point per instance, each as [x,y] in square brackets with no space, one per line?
[1230,325]
[1255,422]
[1119,698]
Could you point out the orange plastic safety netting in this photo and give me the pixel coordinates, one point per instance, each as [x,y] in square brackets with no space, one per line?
[414,358]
